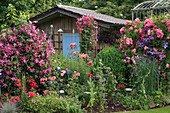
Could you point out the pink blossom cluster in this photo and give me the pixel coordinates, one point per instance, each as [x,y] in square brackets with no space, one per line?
[24,49]
[148,38]
[84,56]
[76,74]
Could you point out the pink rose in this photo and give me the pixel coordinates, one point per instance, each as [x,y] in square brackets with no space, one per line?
[134,50]
[68,85]
[167,65]
[122,30]
[137,20]
[61,80]
[127,23]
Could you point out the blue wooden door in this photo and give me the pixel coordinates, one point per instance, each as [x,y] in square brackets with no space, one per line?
[67,40]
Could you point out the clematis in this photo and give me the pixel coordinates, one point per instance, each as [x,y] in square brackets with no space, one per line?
[165,44]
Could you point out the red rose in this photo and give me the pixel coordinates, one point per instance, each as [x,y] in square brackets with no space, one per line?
[119,86]
[118,74]
[132,92]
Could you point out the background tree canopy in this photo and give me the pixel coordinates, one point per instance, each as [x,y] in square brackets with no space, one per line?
[116,8]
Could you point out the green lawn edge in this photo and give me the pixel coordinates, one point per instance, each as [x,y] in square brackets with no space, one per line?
[157,110]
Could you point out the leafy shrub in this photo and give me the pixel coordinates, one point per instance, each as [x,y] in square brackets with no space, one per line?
[80,66]
[112,57]
[52,103]
[134,101]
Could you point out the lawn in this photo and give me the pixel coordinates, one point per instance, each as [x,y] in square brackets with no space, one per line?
[158,110]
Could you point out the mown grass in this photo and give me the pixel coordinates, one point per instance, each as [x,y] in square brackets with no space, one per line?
[158,110]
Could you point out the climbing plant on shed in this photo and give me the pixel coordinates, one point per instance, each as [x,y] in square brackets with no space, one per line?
[87,27]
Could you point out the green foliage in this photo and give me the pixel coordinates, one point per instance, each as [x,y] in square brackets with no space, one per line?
[136,101]
[116,8]
[9,108]
[145,79]
[52,103]
[158,98]
[112,57]
[79,65]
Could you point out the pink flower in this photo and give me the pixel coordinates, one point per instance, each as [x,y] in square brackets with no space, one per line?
[90,63]
[78,74]
[140,30]
[137,20]
[122,30]
[62,74]
[127,23]
[136,30]
[74,53]
[167,65]
[163,21]
[13,78]
[145,48]
[61,80]
[159,33]
[134,50]
[168,37]
[31,94]
[131,28]
[68,85]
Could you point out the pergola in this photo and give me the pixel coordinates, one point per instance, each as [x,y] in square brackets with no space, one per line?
[151,8]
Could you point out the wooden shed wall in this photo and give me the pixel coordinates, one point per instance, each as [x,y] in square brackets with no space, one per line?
[67,24]
[59,21]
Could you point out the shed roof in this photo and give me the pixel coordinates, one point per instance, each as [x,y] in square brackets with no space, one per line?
[75,12]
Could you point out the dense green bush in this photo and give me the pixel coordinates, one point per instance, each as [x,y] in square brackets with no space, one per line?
[80,66]
[52,102]
[112,57]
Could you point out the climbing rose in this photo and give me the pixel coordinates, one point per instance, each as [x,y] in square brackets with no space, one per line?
[74,53]
[137,20]
[122,30]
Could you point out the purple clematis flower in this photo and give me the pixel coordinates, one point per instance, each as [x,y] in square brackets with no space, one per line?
[165,44]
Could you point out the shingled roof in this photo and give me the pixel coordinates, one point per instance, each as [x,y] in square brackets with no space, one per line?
[75,12]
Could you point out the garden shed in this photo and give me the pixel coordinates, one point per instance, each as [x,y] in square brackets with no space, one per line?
[64,18]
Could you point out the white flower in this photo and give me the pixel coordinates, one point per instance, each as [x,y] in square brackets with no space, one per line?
[61,91]
[128,89]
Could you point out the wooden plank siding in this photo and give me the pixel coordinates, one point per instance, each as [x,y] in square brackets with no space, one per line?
[67,24]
